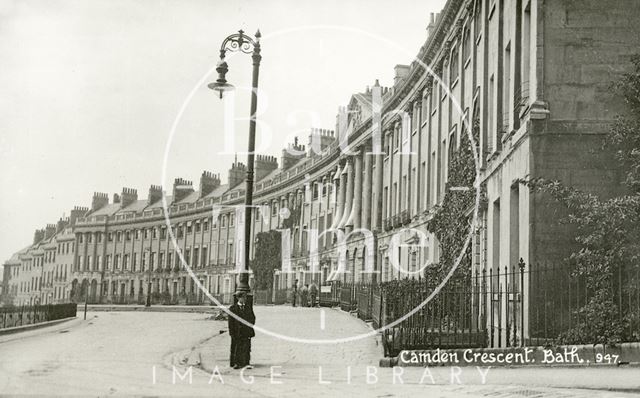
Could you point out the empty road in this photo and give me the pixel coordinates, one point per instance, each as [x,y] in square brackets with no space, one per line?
[162,353]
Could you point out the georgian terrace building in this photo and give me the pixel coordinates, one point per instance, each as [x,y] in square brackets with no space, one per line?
[39,273]
[533,74]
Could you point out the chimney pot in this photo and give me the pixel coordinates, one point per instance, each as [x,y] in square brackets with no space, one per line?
[99,200]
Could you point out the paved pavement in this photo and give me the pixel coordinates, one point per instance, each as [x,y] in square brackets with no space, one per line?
[160,354]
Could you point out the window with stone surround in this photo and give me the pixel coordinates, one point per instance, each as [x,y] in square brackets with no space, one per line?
[196,256]
[205,258]
[477,20]
[466,44]
[454,66]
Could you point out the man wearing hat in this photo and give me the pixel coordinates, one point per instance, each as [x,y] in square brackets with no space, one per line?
[241,333]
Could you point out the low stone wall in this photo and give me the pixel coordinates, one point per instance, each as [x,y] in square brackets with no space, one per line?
[24,328]
[154,308]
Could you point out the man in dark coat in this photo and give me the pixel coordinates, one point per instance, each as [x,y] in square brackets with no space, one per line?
[294,294]
[240,333]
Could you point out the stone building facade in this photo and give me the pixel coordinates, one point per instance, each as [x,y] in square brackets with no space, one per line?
[534,75]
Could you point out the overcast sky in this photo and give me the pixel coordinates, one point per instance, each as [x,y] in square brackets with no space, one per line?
[91,89]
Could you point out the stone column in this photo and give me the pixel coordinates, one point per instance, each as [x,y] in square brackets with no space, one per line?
[342,199]
[367,189]
[303,251]
[376,217]
[408,191]
[354,218]
[337,210]
[325,207]
[400,126]
[348,201]
[417,205]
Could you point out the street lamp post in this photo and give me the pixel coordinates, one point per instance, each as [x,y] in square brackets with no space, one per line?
[244,43]
[148,303]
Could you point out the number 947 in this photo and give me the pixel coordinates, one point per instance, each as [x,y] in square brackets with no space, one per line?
[606,358]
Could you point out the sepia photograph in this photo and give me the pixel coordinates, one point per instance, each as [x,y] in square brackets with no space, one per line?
[298,198]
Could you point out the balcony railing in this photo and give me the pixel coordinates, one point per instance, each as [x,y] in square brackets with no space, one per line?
[405,217]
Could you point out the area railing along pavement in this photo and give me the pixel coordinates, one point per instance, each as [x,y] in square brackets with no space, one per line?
[558,295]
[29,315]
[491,308]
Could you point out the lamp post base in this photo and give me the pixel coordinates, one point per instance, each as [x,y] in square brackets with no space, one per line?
[148,303]
[243,283]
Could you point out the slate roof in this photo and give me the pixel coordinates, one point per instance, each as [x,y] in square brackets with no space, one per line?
[137,206]
[107,210]
[158,204]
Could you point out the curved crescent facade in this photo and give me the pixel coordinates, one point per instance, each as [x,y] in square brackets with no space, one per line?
[541,102]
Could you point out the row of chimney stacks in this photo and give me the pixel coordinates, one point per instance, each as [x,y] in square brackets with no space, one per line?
[51,229]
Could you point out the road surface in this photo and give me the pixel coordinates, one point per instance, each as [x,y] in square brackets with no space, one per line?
[159,353]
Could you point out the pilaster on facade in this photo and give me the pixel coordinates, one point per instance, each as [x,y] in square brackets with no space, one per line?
[354,220]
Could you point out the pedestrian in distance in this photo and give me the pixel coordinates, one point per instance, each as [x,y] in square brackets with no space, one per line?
[294,293]
[240,332]
[313,292]
[304,296]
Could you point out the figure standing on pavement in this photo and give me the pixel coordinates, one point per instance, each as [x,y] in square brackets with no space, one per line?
[313,292]
[304,296]
[294,294]
[241,333]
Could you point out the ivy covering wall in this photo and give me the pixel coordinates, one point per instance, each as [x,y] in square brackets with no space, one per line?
[266,258]
[451,222]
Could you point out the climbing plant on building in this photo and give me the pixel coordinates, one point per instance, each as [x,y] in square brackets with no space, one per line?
[266,258]
[451,221]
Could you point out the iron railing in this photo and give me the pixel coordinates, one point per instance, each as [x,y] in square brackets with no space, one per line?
[28,315]
[488,309]
[557,293]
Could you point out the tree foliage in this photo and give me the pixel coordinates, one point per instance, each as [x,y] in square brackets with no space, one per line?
[266,259]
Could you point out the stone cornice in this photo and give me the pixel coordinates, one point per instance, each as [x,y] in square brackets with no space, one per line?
[429,54]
